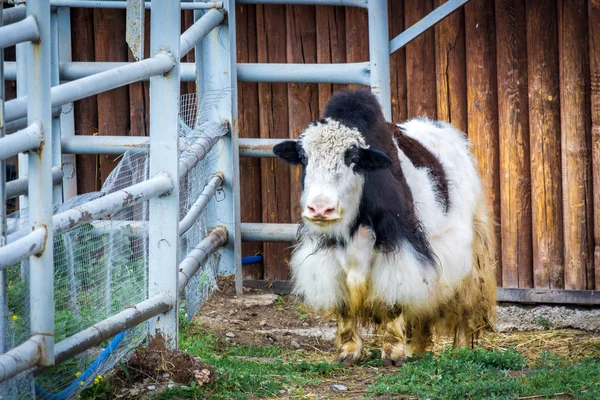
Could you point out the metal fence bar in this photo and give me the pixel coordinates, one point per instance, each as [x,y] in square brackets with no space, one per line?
[251,147]
[425,23]
[195,153]
[379,55]
[3,215]
[199,30]
[87,144]
[21,123]
[200,254]
[109,327]
[19,187]
[31,244]
[19,32]
[67,114]
[357,73]
[12,15]
[22,357]
[26,139]
[123,4]
[98,83]
[57,196]
[200,204]
[38,110]
[255,232]
[347,3]
[164,158]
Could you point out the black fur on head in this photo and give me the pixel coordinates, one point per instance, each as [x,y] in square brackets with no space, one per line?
[358,109]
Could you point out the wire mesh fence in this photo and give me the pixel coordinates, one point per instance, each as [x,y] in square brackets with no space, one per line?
[101,267]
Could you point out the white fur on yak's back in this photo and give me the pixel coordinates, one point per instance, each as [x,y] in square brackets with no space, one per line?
[463,282]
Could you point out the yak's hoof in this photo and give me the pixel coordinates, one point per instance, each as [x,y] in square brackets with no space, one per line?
[388,362]
[350,353]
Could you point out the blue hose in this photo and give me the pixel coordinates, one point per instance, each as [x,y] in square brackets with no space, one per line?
[251,260]
[101,358]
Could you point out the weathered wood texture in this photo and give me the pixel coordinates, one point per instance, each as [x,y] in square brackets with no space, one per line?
[544,130]
[420,64]
[575,139]
[251,203]
[273,123]
[450,69]
[594,25]
[520,77]
[482,106]
[513,128]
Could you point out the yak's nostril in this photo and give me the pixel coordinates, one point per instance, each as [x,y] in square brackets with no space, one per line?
[328,211]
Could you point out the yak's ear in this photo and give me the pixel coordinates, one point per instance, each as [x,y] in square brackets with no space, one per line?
[372,160]
[288,151]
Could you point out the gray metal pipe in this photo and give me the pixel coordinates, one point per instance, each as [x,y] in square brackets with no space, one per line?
[195,153]
[200,254]
[250,147]
[19,186]
[195,33]
[200,204]
[21,358]
[255,232]
[13,14]
[21,141]
[98,83]
[87,144]
[21,123]
[116,4]
[358,73]
[28,245]
[111,326]
[25,30]
[425,23]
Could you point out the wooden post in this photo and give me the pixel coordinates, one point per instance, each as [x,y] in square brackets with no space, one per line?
[86,110]
[544,129]
[420,64]
[594,45]
[576,162]
[357,37]
[397,63]
[480,42]
[113,106]
[302,97]
[273,119]
[513,125]
[331,45]
[249,128]
[451,69]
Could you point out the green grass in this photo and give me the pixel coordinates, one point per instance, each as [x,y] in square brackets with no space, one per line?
[454,374]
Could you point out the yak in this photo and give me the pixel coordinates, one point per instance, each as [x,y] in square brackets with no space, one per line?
[396,231]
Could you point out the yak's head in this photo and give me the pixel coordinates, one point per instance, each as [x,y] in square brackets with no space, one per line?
[335,160]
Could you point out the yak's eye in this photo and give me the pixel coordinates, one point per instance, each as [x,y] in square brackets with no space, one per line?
[351,156]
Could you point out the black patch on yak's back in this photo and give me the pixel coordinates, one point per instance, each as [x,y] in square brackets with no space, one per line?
[387,205]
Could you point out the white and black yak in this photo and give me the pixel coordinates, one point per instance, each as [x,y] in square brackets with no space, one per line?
[396,231]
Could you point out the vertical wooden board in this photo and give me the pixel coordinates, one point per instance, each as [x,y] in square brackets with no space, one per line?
[420,64]
[544,129]
[594,25]
[482,110]
[331,45]
[187,20]
[113,106]
[85,110]
[513,128]
[251,205]
[357,37]
[576,153]
[137,106]
[302,97]
[451,74]
[273,120]
[397,62]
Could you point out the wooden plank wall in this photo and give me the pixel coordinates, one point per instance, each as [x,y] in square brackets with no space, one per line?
[521,77]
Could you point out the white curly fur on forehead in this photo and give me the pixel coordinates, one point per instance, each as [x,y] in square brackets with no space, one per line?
[329,141]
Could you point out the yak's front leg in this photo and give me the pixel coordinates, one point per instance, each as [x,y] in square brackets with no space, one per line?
[348,340]
[393,351]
